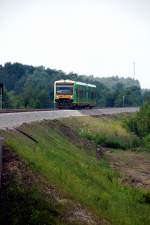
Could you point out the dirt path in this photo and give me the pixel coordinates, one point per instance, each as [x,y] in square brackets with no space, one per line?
[134,165]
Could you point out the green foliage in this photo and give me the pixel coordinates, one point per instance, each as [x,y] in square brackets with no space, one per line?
[25,205]
[32,87]
[75,172]
[35,91]
[146,142]
[16,101]
[111,82]
[140,122]
[105,131]
[146,96]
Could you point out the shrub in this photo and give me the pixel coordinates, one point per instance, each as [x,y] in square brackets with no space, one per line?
[140,122]
[146,142]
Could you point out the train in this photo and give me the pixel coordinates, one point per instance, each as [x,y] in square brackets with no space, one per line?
[74,94]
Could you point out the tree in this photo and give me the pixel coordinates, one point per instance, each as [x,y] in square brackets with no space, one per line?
[28,86]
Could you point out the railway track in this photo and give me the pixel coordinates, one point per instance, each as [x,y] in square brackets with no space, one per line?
[14,118]
[23,110]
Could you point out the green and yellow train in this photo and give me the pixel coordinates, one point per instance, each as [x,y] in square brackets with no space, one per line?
[74,94]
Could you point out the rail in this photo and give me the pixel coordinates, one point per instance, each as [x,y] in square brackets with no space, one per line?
[22,110]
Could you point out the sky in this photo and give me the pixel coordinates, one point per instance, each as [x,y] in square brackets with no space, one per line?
[91,37]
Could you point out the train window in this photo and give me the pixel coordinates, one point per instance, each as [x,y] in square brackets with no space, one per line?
[65,90]
[80,91]
[93,94]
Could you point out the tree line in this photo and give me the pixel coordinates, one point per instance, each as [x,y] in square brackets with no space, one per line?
[27,86]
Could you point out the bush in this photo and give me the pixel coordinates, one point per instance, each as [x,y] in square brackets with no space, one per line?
[146,142]
[140,123]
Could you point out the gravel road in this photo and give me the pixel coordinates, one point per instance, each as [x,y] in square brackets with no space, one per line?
[11,120]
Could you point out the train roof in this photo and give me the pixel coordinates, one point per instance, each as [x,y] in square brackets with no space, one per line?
[86,84]
[72,82]
[64,81]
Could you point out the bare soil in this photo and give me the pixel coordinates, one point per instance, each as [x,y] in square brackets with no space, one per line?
[134,166]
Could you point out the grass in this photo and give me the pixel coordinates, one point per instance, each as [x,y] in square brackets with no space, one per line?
[78,174]
[105,131]
[22,205]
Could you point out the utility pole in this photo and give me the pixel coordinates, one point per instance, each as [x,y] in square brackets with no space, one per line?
[123,98]
[1,96]
[134,70]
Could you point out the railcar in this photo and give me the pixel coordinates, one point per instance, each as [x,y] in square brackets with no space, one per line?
[74,94]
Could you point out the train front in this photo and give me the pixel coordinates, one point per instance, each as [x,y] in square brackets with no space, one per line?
[63,93]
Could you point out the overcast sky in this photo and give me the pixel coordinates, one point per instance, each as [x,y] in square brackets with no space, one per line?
[99,37]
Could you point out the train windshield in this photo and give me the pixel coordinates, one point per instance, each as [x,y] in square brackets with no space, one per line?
[64,90]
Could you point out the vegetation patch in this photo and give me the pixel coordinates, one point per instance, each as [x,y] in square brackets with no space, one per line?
[104,131]
[139,124]
[32,87]
[71,166]
[22,200]
[27,198]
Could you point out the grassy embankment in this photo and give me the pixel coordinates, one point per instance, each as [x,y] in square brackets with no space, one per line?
[59,153]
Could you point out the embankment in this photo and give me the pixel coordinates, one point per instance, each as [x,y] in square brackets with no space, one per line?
[51,175]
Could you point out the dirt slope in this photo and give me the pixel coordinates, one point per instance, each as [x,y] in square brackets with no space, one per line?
[135,167]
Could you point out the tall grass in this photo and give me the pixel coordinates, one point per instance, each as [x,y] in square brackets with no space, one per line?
[79,175]
[105,131]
